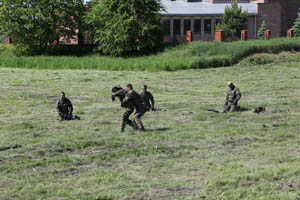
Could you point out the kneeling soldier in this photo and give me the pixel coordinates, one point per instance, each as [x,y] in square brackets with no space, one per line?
[64,107]
[232,98]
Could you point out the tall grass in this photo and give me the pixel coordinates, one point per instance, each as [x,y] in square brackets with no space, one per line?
[196,55]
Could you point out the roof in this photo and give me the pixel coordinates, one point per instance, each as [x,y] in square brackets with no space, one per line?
[184,8]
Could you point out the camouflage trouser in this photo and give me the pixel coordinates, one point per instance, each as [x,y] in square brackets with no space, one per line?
[65,116]
[137,119]
[126,120]
[230,108]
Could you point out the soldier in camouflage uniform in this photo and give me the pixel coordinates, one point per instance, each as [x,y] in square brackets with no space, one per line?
[133,97]
[121,93]
[64,107]
[232,98]
[148,99]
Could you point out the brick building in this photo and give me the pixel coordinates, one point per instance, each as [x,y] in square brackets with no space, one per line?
[201,16]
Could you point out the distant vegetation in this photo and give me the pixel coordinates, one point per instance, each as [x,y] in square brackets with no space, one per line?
[196,55]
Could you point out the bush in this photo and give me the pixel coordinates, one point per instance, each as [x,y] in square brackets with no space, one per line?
[195,55]
[261,31]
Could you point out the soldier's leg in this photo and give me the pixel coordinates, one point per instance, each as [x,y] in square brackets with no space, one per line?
[233,108]
[61,115]
[125,118]
[132,124]
[226,109]
[138,121]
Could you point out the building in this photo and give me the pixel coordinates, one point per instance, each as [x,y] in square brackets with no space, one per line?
[201,16]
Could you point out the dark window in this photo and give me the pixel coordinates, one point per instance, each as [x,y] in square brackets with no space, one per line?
[187,25]
[194,1]
[166,26]
[177,26]
[197,26]
[207,25]
[218,21]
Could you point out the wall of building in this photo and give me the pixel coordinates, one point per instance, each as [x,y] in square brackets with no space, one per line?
[271,14]
[251,27]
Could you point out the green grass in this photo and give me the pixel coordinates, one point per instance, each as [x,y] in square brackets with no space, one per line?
[196,55]
[187,152]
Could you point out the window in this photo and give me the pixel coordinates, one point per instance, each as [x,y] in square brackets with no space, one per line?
[194,1]
[207,25]
[218,21]
[166,26]
[197,26]
[187,25]
[177,26]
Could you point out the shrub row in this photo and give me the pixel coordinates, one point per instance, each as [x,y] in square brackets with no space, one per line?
[196,55]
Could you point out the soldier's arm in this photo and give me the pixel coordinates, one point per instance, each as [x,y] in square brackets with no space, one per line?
[238,94]
[152,101]
[226,100]
[128,98]
[57,106]
[70,107]
[121,92]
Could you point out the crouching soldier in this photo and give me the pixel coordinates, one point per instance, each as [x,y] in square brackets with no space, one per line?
[64,107]
[118,92]
[148,99]
[232,98]
[134,98]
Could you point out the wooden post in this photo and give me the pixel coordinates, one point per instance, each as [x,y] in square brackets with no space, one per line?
[189,36]
[219,35]
[290,33]
[267,35]
[244,35]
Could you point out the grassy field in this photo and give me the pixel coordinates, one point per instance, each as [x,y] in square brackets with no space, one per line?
[195,55]
[186,153]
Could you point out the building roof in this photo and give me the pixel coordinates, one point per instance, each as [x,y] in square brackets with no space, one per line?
[184,8]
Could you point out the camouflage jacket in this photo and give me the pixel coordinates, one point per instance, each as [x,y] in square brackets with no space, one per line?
[233,96]
[64,106]
[134,98]
[148,99]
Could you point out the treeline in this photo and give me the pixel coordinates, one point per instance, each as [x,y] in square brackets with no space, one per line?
[119,28]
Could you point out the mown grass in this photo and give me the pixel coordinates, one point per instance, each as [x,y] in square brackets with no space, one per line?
[196,55]
[187,152]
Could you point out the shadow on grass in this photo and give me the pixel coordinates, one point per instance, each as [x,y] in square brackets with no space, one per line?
[244,109]
[158,130]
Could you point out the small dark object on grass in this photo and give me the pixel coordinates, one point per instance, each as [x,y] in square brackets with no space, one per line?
[258,110]
[11,147]
[212,110]
[76,118]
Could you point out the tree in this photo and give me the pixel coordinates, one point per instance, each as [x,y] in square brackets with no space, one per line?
[296,27]
[234,20]
[123,28]
[261,31]
[35,24]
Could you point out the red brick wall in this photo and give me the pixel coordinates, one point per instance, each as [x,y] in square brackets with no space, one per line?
[290,9]
[271,14]
[292,12]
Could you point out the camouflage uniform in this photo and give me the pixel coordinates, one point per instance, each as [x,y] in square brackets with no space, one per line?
[64,108]
[232,98]
[129,109]
[133,97]
[147,98]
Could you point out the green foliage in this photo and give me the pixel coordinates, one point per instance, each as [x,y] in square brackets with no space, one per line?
[296,26]
[234,20]
[124,28]
[261,31]
[36,24]
[195,55]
